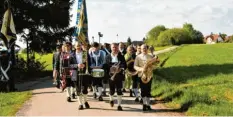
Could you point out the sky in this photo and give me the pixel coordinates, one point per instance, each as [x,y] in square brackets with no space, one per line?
[134,18]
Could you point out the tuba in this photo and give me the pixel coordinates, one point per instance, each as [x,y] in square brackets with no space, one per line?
[148,68]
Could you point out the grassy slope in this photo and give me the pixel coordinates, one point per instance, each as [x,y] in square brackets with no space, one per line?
[11,102]
[199,79]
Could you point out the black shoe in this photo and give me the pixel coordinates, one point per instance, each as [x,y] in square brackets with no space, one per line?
[68,99]
[100,98]
[119,108]
[141,101]
[136,100]
[144,108]
[111,103]
[131,93]
[104,93]
[148,108]
[80,107]
[95,96]
[87,105]
[73,96]
[123,90]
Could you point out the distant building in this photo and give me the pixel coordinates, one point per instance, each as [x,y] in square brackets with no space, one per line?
[213,39]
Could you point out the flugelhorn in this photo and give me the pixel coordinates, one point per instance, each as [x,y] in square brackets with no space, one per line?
[114,70]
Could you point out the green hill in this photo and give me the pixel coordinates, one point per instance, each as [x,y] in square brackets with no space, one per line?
[197,79]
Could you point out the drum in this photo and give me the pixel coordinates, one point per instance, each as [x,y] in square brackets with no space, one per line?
[97,73]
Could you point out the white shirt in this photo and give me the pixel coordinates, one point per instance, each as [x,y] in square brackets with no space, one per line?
[79,57]
[114,58]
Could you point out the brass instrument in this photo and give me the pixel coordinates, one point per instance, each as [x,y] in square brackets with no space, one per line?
[85,59]
[148,68]
[114,70]
[131,71]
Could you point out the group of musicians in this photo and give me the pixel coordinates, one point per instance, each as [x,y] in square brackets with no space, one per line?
[112,65]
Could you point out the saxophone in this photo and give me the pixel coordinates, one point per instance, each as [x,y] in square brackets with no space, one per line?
[148,68]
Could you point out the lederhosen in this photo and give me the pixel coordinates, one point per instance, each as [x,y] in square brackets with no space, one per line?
[81,82]
[117,83]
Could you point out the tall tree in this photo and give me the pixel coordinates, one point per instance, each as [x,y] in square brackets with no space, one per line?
[129,41]
[45,20]
[196,36]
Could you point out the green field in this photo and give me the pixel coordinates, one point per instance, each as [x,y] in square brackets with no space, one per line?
[197,79]
[10,103]
[47,58]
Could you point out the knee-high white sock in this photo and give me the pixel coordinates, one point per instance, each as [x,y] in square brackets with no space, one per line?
[71,90]
[104,87]
[68,92]
[144,99]
[94,89]
[148,101]
[111,97]
[84,98]
[119,99]
[100,90]
[135,92]
[80,102]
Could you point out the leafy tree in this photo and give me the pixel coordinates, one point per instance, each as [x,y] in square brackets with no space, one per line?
[153,34]
[129,41]
[196,36]
[175,36]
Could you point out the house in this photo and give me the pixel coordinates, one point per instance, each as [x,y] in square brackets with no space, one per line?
[213,39]
[227,38]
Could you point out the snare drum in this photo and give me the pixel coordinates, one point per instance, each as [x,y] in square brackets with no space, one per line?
[97,73]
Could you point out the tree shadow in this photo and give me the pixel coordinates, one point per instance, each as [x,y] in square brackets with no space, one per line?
[181,74]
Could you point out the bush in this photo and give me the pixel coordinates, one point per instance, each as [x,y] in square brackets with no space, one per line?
[175,36]
[34,69]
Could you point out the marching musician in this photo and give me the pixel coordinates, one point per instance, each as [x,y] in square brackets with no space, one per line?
[65,72]
[56,60]
[117,76]
[97,62]
[122,50]
[138,50]
[130,57]
[78,63]
[139,66]
[107,49]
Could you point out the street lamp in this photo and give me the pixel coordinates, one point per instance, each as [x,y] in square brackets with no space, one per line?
[100,35]
[93,39]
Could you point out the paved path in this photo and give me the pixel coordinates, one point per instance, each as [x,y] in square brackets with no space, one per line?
[165,50]
[49,101]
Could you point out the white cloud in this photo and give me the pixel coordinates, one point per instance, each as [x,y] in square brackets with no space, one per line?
[135,18]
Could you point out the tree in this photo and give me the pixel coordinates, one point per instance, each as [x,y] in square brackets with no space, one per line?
[153,34]
[196,36]
[129,42]
[175,36]
[46,21]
